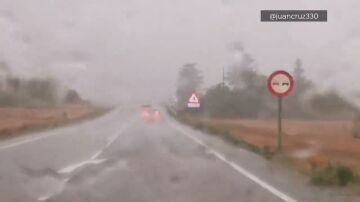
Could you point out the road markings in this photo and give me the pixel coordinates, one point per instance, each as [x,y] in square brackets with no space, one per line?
[30,139]
[72,168]
[113,138]
[92,161]
[58,190]
[97,154]
[237,167]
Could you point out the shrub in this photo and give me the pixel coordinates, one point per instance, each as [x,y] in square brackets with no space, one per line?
[212,130]
[266,151]
[338,175]
[198,125]
[42,89]
[8,99]
[72,97]
[345,175]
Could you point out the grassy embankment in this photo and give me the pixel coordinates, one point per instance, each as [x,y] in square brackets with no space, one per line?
[16,121]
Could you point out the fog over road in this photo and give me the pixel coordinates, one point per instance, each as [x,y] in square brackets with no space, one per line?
[119,157]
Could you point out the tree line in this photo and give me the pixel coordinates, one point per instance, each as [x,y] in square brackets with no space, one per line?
[245,95]
[33,92]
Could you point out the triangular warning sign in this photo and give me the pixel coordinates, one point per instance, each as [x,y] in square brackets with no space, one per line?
[193,99]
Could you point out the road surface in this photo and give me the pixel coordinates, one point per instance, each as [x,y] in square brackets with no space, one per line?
[121,158]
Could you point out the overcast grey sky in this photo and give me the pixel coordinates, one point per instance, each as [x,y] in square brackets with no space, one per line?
[117,49]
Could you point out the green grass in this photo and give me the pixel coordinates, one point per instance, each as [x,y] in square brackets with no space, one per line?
[334,175]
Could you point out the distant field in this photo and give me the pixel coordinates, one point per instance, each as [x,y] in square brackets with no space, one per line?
[14,121]
[307,144]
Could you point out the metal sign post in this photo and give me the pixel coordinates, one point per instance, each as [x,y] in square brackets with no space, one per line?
[279,124]
[280,84]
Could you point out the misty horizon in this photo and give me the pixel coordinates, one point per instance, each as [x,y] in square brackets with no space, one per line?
[103,48]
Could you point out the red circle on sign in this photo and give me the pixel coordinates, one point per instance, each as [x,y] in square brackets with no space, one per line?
[290,85]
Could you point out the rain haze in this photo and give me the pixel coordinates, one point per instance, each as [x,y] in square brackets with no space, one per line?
[182,101]
[119,49]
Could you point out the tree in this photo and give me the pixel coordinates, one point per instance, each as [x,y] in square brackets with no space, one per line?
[43,90]
[72,96]
[238,71]
[221,101]
[331,102]
[217,101]
[4,68]
[303,84]
[13,83]
[296,104]
[189,81]
[249,87]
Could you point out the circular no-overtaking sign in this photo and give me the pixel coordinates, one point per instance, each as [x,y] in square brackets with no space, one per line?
[280,83]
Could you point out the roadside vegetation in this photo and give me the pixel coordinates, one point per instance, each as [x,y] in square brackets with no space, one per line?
[35,93]
[334,175]
[320,125]
[28,104]
[224,133]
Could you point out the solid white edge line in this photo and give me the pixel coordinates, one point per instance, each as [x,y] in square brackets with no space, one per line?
[238,168]
[34,139]
[28,140]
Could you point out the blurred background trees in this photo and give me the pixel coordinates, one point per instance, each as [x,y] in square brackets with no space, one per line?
[32,92]
[245,94]
[189,80]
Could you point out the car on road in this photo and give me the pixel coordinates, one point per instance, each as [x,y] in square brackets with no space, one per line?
[150,113]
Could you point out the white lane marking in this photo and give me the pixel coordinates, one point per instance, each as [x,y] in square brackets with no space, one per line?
[97,154]
[238,168]
[113,138]
[28,140]
[93,159]
[72,168]
[58,190]
[43,198]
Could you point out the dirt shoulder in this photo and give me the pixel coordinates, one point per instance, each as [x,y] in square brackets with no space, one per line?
[17,121]
[307,144]
[326,151]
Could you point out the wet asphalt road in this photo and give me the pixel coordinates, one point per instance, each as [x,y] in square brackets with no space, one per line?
[121,158]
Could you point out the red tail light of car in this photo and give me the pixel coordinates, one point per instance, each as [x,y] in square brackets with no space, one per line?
[157,114]
[146,114]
